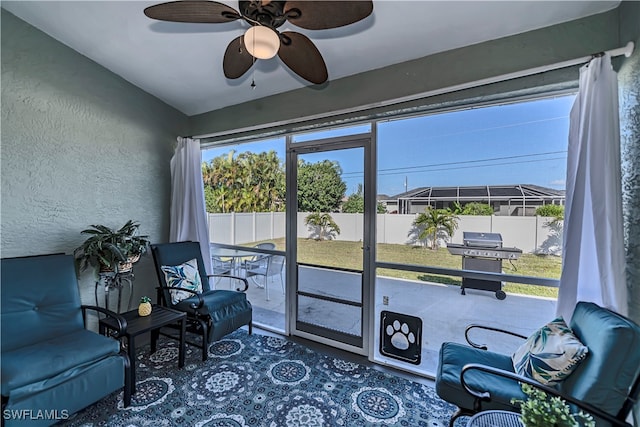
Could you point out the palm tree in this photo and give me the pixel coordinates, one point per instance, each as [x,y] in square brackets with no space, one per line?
[435,222]
[324,224]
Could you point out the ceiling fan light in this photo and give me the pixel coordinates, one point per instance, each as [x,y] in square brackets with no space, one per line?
[261,42]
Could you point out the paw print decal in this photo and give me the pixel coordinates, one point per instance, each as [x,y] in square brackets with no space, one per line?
[401,336]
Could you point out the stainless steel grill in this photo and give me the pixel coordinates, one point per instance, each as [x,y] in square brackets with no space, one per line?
[483,252]
[482,240]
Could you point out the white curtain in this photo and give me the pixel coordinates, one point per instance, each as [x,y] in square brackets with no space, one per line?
[593,253]
[188,211]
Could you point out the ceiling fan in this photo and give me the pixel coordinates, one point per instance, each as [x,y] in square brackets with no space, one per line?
[263,40]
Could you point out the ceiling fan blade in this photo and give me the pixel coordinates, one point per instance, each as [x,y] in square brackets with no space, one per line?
[303,57]
[322,15]
[198,11]
[237,60]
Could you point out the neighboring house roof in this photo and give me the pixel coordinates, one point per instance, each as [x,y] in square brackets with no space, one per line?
[482,192]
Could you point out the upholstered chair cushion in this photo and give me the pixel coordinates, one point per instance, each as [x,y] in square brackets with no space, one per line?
[614,357]
[454,356]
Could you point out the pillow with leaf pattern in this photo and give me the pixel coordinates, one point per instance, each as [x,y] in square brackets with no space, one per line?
[551,354]
[185,276]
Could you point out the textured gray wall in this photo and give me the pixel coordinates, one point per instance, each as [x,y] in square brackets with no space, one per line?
[629,89]
[80,146]
[535,48]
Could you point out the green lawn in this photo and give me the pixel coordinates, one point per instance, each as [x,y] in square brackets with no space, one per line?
[337,253]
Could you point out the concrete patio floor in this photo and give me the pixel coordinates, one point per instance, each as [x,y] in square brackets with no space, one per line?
[445,314]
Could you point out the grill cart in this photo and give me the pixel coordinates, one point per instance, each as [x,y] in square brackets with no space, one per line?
[483,252]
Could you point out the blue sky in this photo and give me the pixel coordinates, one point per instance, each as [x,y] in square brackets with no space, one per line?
[520,143]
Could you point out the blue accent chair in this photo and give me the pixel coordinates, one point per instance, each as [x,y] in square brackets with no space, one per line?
[211,314]
[605,384]
[51,365]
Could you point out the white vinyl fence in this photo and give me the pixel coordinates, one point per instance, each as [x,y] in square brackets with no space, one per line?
[532,234]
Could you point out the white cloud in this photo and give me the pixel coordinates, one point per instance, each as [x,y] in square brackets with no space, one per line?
[558,182]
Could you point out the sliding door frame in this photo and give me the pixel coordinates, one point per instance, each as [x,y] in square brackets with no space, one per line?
[367,141]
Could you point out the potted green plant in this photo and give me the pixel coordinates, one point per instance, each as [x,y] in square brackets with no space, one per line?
[111,250]
[541,410]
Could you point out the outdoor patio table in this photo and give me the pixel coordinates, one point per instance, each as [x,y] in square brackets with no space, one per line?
[234,254]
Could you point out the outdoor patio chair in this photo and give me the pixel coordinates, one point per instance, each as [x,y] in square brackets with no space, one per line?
[221,266]
[211,313]
[605,383]
[51,364]
[259,258]
[273,267]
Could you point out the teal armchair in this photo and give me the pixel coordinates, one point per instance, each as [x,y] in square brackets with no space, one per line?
[605,384]
[211,313]
[51,365]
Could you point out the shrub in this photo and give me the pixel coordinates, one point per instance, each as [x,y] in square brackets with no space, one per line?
[555,211]
[475,208]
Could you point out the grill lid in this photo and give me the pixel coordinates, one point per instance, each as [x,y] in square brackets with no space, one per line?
[483,240]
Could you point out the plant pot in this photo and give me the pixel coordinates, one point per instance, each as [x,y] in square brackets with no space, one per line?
[123,267]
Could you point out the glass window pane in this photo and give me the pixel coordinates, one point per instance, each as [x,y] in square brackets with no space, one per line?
[462,191]
[245,197]
[332,133]
[343,285]
[484,170]
[330,315]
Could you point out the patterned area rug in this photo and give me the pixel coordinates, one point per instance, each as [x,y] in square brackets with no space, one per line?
[257,380]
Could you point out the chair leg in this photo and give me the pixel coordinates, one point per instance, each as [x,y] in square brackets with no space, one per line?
[205,339]
[128,380]
[266,287]
[5,402]
[282,282]
[205,348]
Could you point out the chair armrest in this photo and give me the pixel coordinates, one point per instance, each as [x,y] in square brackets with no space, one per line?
[486,396]
[193,305]
[122,322]
[488,328]
[242,279]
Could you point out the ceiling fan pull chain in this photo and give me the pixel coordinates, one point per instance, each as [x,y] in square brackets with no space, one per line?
[253,73]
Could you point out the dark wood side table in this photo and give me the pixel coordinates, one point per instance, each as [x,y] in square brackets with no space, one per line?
[136,325]
[495,419]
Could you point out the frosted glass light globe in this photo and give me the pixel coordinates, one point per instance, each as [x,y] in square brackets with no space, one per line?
[261,42]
